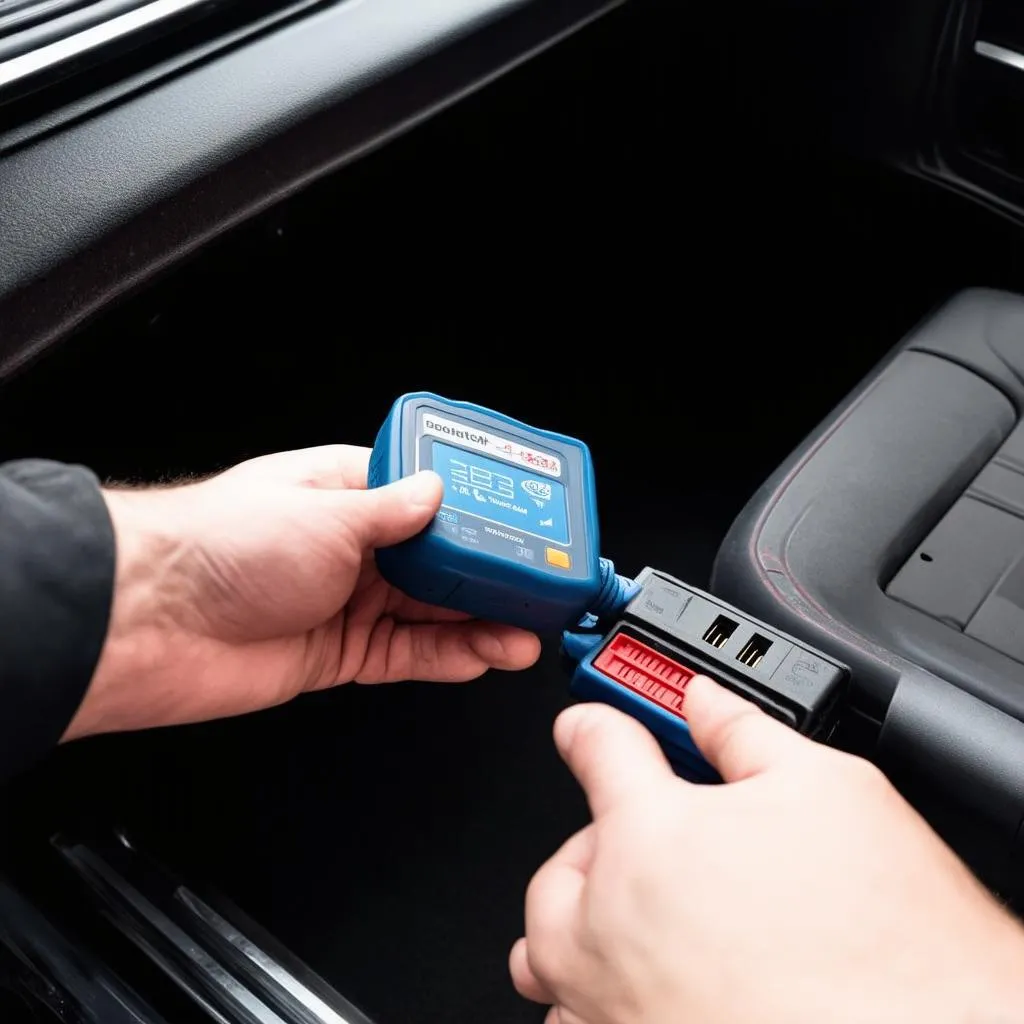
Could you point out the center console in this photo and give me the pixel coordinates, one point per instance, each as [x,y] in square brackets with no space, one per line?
[893,538]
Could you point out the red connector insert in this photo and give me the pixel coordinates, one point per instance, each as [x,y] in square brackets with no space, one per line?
[641,668]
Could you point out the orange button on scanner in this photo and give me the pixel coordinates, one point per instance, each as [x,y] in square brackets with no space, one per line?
[558,558]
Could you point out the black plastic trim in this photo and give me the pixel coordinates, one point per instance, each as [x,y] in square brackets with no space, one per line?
[17,15]
[94,210]
[53,972]
[67,25]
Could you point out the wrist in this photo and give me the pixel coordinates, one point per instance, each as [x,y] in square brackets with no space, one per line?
[1003,978]
[139,617]
[983,981]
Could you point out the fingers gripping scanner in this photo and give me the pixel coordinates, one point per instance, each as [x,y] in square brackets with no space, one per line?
[517,541]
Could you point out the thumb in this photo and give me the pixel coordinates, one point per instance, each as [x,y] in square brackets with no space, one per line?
[613,757]
[737,737]
[388,515]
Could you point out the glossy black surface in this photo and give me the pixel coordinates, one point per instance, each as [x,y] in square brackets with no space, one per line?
[49,974]
[226,967]
[223,121]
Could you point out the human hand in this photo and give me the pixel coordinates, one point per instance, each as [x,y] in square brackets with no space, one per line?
[804,889]
[246,589]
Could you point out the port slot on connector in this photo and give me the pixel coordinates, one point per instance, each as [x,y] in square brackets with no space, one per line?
[754,650]
[719,631]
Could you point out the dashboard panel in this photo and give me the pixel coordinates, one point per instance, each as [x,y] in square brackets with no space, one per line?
[97,198]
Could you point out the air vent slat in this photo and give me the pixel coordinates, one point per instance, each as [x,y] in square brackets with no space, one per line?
[1000,54]
[136,43]
[16,15]
[989,99]
[55,29]
[111,31]
[1001,22]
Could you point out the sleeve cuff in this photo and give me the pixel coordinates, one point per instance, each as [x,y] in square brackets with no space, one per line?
[57,562]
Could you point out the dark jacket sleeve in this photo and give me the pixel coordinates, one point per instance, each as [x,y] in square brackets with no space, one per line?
[56,589]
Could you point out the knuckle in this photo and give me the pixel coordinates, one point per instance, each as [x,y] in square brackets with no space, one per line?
[547,935]
[734,732]
[584,736]
[858,772]
[425,654]
[588,732]
[535,896]
[546,958]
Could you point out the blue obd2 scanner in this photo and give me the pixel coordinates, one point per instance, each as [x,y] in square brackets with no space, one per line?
[517,538]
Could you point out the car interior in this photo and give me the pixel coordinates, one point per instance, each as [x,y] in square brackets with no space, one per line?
[764,258]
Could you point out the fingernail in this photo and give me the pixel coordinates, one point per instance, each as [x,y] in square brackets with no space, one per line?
[568,722]
[492,649]
[694,687]
[700,686]
[423,488]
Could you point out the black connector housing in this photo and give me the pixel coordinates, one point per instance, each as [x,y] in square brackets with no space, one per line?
[785,677]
